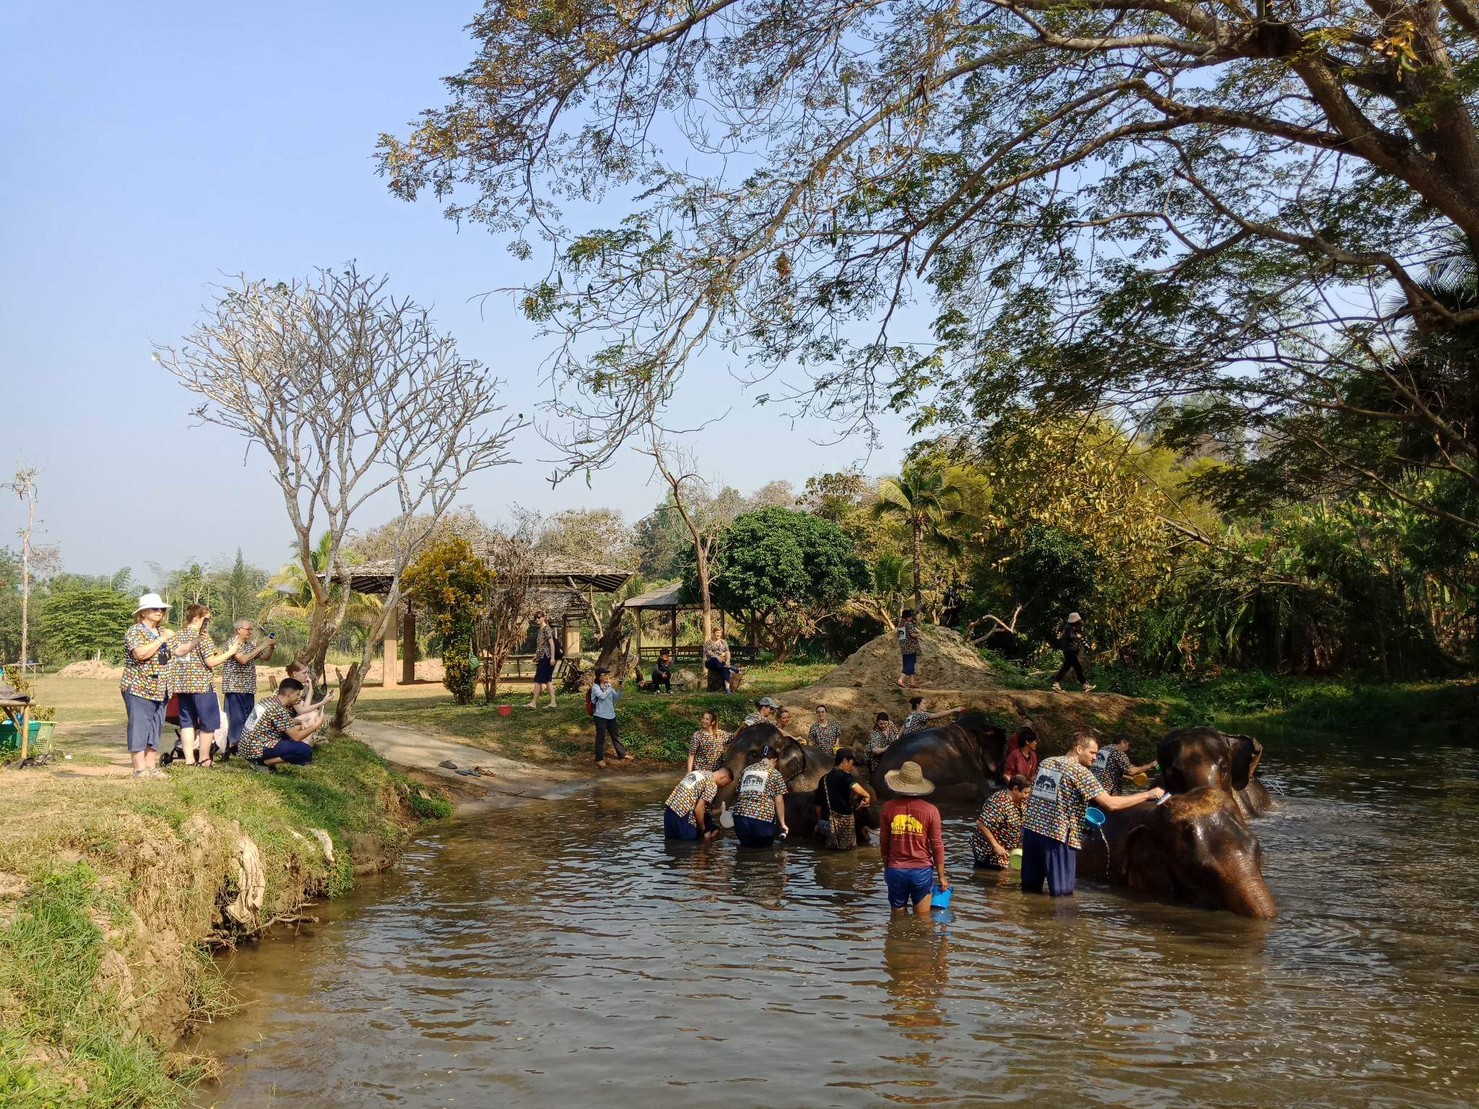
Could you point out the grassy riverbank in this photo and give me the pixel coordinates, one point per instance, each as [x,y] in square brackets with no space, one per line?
[112,891]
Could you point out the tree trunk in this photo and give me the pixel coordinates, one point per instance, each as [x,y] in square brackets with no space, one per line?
[349,687]
[918,566]
[609,647]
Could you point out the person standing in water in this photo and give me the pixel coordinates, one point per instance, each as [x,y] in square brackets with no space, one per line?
[839,796]
[912,842]
[1051,825]
[1072,643]
[1112,765]
[1022,757]
[685,816]
[760,811]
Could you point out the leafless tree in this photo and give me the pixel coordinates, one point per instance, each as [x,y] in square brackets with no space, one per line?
[514,562]
[24,487]
[354,396]
[688,488]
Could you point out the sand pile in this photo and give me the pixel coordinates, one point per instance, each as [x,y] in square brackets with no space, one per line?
[90,668]
[946,661]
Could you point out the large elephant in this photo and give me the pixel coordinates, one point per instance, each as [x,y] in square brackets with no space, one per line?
[962,758]
[1193,849]
[801,766]
[1201,756]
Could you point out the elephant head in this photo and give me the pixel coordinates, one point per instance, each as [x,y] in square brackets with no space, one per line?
[1193,849]
[1192,757]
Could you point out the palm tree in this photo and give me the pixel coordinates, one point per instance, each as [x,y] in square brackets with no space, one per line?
[930,505]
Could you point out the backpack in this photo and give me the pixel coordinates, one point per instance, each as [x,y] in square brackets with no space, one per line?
[590,705]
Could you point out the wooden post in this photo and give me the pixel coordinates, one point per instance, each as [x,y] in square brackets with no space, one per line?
[638,614]
[387,658]
[408,647]
[25,730]
[673,642]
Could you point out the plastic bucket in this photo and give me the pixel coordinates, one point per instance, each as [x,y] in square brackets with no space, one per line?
[505,710]
[1094,816]
[1016,863]
[940,899]
[10,739]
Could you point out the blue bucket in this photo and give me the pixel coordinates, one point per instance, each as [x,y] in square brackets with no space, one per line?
[1095,817]
[940,899]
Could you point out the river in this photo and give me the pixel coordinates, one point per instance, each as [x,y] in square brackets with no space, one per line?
[560,954]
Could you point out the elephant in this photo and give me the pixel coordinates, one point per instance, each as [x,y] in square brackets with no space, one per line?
[1194,848]
[963,758]
[1201,756]
[802,767]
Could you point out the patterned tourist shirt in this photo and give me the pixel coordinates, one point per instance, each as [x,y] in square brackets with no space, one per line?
[715,648]
[826,736]
[270,727]
[695,786]
[758,802]
[545,647]
[1005,821]
[144,678]
[707,748]
[188,672]
[240,677]
[879,738]
[1111,767]
[914,721]
[1060,794]
[909,641]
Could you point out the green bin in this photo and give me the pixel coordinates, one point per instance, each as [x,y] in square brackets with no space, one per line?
[10,735]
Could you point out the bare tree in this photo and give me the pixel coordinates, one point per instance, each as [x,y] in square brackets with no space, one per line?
[24,487]
[512,558]
[354,395]
[687,486]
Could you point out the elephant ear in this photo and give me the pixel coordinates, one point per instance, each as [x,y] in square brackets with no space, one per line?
[1147,870]
[792,760]
[1245,754]
[1167,754]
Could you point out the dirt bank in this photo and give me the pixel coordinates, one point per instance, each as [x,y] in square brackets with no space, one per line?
[113,890]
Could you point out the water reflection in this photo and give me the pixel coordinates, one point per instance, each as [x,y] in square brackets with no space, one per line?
[562,953]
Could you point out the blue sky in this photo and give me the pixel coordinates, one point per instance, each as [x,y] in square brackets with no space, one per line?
[151,149]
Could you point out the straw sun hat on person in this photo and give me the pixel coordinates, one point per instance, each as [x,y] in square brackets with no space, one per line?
[909,780]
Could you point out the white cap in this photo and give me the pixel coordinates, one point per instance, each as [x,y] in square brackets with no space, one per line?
[1075,618]
[150,600]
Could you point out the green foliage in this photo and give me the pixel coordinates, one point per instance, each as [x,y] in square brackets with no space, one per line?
[1051,574]
[81,622]
[450,583]
[932,508]
[781,571]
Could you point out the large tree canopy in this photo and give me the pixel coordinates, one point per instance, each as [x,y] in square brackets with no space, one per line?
[1109,203]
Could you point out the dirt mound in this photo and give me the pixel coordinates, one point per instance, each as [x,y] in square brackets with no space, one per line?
[91,668]
[946,661]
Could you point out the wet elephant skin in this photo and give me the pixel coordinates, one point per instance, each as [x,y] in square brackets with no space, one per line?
[800,765]
[1202,756]
[963,758]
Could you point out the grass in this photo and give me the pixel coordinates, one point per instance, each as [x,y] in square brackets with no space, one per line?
[113,891]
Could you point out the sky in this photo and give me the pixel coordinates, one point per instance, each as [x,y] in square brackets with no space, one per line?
[150,150]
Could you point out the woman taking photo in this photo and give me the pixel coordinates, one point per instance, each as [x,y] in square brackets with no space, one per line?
[192,658]
[145,655]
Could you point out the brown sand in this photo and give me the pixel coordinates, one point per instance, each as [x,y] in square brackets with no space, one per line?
[91,668]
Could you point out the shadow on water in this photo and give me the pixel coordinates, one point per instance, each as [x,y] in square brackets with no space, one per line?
[562,953]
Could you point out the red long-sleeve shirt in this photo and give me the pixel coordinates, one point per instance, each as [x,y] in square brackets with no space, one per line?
[912,836]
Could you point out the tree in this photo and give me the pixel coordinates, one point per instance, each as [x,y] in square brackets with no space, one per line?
[931,508]
[1111,204]
[84,622]
[32,558]
[449,582]
[702,516]
[512,563]
[783,571]
[352,394]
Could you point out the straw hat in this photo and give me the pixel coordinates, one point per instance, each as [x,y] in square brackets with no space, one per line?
[909,780]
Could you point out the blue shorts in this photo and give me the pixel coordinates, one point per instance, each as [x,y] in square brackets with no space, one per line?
[909,661]
[200,711]
[754,833]
[908,887]
[145,722]
[678,827]
[290,751]
[544,671]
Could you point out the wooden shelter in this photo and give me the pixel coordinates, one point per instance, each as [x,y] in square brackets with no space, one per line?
[564,588]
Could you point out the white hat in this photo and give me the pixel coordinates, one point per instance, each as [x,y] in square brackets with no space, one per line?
[1075,618]
[150,600]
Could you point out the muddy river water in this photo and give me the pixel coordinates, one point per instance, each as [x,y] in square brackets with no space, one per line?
[560,954]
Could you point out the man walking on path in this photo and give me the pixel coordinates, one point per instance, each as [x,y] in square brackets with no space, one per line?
[1073,643]
[912,842]
[1054,819]
[603,697]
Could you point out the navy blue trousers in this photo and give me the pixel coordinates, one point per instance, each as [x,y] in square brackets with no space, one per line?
[754,833]
[1045,859]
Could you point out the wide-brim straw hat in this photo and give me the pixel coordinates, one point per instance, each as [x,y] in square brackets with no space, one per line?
[909,780]
[148,601]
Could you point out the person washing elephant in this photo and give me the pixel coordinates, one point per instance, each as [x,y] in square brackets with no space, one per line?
[685,815]
[838,798]
[760,811]
[1112,765]
[1053,822]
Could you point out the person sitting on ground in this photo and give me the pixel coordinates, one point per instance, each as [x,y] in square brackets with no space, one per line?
[1053,821]
[919,719]
[912,842]
[884,732]
[546,648]
[765,710]
[998,830]
[839,796]
[277,736]
[909,648]
[603,697]
[716,657]
[662,673]
[706,748]
[1072,643]
[686,813]
[1022,757]
[1112,765]
[826,733]
[760,810]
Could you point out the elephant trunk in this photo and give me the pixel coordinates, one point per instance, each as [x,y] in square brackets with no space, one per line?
[1248,895]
